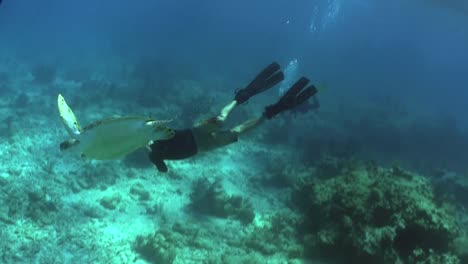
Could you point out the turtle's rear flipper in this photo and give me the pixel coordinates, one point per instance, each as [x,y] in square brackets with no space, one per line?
[68,117]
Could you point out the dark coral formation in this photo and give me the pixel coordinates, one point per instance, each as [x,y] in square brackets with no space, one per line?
[366,214]
[44,73]
[158,248]
[212,244]
[210,198]
[278,234]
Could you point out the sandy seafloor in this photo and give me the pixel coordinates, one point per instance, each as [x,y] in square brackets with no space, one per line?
[50,201]
[58,208]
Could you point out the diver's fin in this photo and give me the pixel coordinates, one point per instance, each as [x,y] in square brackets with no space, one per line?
[295,96]
[68,117]
[267,78]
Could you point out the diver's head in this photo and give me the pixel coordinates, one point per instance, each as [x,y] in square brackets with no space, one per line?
[66,145]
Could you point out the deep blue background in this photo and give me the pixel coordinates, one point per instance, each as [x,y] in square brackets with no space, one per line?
[414,52]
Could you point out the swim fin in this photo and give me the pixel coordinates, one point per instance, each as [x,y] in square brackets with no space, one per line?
[267,78]
[296,95]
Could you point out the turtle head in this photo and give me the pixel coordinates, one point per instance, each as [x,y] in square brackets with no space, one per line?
[66,145]
[160,130]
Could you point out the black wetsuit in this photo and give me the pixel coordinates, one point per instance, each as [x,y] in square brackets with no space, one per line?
[181,146]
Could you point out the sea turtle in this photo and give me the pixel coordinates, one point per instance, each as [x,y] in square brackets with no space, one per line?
[110,138]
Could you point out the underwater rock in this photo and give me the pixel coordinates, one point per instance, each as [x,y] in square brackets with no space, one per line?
[139,191]
[157,248]
[41,208]
[111,201]
[211,199]
[91,210]
[366,214]
[91,177]
[251,258]
[276,234]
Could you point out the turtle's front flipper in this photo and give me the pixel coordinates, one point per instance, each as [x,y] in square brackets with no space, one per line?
[68,117]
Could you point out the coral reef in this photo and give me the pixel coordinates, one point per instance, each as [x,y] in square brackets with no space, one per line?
[157,248]
[374,215]
[277,233]
[210,198]
[59,209]
[219,244]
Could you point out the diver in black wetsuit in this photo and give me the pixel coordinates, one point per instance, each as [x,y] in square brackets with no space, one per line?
[209,135]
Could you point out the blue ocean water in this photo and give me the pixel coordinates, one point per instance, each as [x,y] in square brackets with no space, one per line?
[390,135]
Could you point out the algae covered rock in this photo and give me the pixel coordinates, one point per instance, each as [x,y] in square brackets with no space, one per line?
[276,233]
[211,199]
[139,192]
[111,201]
[41,207]
[157,248]
[366,214]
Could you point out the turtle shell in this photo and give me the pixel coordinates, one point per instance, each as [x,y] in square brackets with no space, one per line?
[114,138]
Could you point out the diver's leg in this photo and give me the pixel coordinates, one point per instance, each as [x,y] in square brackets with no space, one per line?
[213,124]
[226,111]
[248,125]
[267,78]
[216,139]
[295,96]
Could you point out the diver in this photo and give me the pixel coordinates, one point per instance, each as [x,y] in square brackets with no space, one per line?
[208,135]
